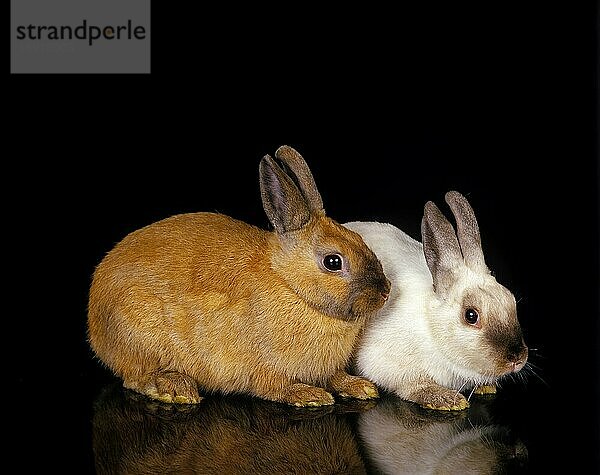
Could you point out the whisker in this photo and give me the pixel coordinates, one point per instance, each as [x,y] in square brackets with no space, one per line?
[494,380]
[521,377]
[472,425]
[459,390]
[532,365]
[471,393]
[528,367]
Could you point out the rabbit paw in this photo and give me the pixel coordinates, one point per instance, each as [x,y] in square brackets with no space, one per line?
[485,390]
[172,387]
[349,386]
[303,395]
[440,399]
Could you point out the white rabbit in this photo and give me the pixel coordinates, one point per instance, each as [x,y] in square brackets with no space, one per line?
[448,325]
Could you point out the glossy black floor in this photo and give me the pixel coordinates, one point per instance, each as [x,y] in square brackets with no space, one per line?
[87,423]
[130,434]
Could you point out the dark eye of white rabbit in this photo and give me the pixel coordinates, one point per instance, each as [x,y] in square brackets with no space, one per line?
[471,316]
[333,262]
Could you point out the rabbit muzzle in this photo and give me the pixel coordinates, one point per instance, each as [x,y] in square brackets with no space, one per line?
[381,287]
[517,357]
[370,295]
[513,358]
[508,346]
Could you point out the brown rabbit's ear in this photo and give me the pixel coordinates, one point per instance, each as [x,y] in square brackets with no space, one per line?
[467,230]
[284,204]
[440,247]
[297,169]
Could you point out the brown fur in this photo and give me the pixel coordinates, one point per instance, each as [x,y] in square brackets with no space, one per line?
[221,436]
[204,298]
[503,338]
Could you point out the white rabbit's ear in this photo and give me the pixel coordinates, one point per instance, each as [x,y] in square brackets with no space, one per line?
[467,230]
[440,246]
[284,204]
[297,169]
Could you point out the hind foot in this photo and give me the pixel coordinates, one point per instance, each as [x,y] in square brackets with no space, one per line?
[167,386]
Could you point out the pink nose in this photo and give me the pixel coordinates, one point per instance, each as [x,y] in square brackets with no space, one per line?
[518,357]
[518,365]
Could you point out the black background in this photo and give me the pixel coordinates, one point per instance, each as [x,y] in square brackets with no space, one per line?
[389,108]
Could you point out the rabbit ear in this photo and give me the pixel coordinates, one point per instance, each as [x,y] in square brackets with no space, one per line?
[440,247]
[467,231]
[295,166]
[283,202]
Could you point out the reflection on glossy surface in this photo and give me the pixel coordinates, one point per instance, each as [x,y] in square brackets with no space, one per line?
[399,437]
[222,435]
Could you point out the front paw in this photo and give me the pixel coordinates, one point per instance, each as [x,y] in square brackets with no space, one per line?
[440,399]
[303,395]
[355,387]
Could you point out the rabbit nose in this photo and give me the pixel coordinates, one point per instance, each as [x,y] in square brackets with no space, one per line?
[387,286]
[385,295]
[518,359]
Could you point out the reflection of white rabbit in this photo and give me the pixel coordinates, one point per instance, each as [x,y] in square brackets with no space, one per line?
[399,437]
[202,301]
[448,325]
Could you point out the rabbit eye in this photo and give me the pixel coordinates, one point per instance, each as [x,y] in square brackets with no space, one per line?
[471,316]
[332,262]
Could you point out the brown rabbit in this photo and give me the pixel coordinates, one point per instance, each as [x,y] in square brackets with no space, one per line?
[204,300]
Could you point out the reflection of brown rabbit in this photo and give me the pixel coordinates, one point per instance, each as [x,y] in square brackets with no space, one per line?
[223,435]
[400,437]
[203,300]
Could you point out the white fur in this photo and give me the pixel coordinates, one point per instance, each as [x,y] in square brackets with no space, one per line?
[397,443]
[417,335]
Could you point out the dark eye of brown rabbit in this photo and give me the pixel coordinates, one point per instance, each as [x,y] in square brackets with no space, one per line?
[471,316]
[332,262]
